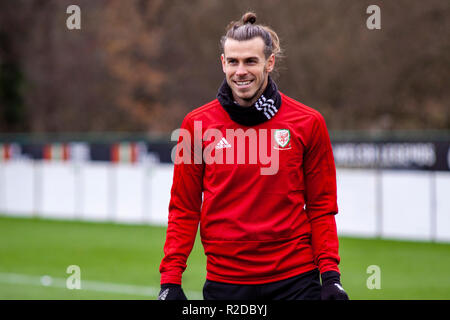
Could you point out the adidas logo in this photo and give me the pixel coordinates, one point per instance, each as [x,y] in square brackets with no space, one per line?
[223,143]
[163,294]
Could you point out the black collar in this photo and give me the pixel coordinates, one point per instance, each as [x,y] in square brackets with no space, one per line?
[264,109]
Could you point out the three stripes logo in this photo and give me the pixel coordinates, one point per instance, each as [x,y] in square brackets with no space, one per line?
[163,294]
[267,106]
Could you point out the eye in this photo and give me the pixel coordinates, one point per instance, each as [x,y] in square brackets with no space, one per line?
[232,61]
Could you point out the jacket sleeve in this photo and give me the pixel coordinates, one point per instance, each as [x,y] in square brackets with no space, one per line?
[184,207]
[321,198]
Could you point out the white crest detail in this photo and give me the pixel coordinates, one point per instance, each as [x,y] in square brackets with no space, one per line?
[282,137]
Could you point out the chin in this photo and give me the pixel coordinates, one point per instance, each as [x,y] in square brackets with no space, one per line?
[245,94]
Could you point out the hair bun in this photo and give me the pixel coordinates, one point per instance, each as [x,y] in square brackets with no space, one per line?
[249,17]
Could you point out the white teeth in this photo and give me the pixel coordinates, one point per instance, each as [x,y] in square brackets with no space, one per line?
[242,83]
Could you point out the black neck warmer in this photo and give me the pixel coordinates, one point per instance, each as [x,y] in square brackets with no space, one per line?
[261,111]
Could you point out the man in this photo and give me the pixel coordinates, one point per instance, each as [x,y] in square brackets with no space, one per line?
[266,235]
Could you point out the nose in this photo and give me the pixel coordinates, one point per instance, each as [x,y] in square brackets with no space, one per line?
[241,70]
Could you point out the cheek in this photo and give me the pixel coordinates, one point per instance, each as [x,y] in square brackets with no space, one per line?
[260,75]
[259,72]
[228,71]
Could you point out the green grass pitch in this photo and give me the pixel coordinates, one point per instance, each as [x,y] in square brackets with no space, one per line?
[122,261]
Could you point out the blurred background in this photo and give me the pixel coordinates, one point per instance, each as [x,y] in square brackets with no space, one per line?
[86,118]
[140,66]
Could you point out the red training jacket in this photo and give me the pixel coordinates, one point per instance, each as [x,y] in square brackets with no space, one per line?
[255,228]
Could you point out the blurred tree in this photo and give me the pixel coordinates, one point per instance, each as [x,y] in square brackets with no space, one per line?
[11,83]
[142,65]
[131,39]
[13,114]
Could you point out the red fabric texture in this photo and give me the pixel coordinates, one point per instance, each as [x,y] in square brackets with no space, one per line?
[254,228]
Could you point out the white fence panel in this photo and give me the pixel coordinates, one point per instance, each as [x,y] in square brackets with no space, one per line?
[17,188]
[406,204]
[394,204]
[128,194]
[57,189]
[95,191]
[161,184]
[443,206]
[356,191]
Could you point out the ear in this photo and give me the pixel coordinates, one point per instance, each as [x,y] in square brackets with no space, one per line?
[270,63]
[222,58]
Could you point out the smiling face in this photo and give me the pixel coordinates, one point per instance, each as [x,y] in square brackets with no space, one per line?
[246,69]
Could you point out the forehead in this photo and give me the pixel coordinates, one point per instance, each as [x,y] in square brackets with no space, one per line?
[242,49]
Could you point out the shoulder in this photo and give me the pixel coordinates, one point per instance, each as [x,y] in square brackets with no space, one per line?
[206,115]
[211,108]
[308,123]
[298,109]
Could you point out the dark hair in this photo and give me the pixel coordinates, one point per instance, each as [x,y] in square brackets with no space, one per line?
[246,29]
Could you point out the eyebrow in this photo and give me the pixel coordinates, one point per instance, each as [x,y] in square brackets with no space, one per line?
[246,59]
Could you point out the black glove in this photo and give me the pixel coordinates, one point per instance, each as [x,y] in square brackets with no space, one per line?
[170,291]
[331,286]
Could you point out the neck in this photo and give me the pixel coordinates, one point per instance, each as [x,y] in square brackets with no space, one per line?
[250,101]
